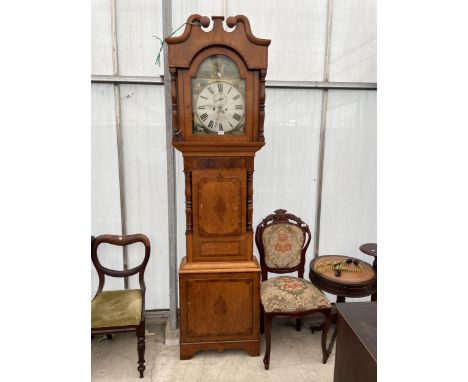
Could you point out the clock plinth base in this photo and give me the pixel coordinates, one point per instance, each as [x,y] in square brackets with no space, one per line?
[252,348]
[219,307]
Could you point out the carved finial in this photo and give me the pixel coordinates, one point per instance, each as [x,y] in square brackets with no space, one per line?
[281,215]
[204,21]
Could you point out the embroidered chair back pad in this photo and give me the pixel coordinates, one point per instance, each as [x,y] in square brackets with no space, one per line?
[283,243]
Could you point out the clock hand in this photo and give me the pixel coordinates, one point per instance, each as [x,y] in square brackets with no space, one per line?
[213,106]
[208,105]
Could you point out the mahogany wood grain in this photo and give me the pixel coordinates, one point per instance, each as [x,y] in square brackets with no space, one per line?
[219,279]
[219,306]
[188,202]
[218,266]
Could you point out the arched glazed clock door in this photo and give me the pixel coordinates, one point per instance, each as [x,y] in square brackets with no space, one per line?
[218,97]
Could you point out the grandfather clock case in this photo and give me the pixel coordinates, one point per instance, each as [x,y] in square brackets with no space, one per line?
[218,102]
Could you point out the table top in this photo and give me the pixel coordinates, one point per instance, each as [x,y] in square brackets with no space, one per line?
[369,249]
[367,275]
[362,319]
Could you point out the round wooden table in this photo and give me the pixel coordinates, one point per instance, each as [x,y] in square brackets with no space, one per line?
[348,284]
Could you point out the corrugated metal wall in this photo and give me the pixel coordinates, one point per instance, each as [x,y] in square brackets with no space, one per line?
[286,169]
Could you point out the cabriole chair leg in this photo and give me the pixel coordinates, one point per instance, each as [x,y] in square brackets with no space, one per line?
[266,359]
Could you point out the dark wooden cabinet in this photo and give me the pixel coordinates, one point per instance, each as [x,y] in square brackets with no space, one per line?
[218,102]
[356,346]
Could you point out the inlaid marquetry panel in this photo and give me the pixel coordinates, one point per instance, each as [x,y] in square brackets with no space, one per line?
[227,301]
[219,207]
[220,249]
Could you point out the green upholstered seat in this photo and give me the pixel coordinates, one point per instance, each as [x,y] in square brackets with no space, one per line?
[291,294]
[116,308]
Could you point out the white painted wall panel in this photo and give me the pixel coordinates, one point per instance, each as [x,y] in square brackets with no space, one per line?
[349,200]
[354,41]
[297,31]
[101,37]
[105,199]
[144,137]
[349,195]
[286,167]
[137,24]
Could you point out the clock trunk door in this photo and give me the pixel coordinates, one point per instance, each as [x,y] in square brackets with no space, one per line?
[219,212]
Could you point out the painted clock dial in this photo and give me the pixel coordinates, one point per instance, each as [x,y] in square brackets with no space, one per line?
[218,98]
[220,107]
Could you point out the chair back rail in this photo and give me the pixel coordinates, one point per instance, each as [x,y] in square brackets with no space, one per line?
[120,241]
[281,216]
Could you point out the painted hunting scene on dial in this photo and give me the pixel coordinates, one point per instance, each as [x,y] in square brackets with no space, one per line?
[218,97]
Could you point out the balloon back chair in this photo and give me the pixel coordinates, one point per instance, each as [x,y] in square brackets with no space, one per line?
[120,310]
[282,240]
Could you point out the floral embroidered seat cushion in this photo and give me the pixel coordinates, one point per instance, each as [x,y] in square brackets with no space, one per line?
[116,308]
[283,245]
[291,294]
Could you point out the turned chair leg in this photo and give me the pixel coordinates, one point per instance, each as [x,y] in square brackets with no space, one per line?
[266,359]
[298,324]
[326,326]
[141,349]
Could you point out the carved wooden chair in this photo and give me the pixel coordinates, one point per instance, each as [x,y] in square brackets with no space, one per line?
[282,240]
[120,310]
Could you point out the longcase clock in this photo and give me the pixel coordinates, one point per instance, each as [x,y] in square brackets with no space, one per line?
[218,102]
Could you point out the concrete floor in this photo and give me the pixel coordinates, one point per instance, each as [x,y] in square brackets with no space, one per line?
[295,356]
